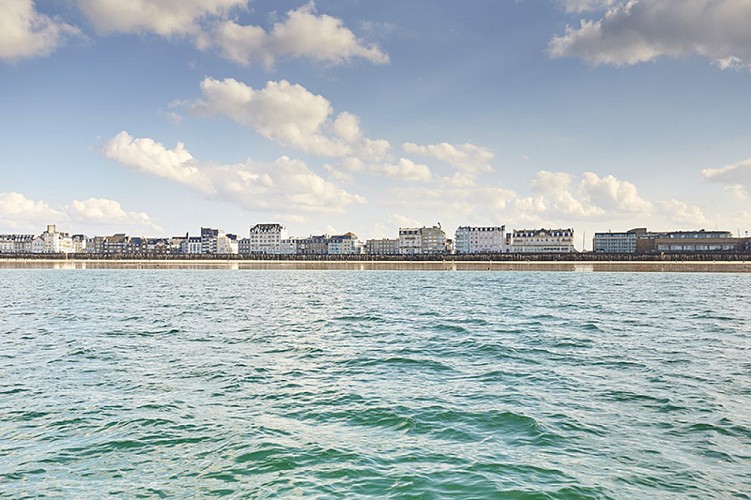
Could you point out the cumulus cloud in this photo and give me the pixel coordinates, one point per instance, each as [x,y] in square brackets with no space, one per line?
[285,113]
[108,212]
[680,212]
[585,5]
[403,169]
[736,178]
[735,174]
[303,34]
[634,31]
[24,32]
[167,18]
[593,196]
[467,157]
[18,211]
[292,116]
[286,184]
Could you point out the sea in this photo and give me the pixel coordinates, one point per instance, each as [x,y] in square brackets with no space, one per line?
[374,384]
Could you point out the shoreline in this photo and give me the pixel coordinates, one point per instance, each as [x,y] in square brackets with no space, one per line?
[380,265]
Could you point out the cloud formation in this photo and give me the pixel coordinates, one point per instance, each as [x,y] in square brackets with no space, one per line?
[16,210]
[634,31]
[593,196]
[285,185]
[467,157]
[24,32]
[292,116]
[166,18]
[302,34]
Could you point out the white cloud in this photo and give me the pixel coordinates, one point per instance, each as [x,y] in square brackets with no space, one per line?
[286,184]
[403,169]
[635,31]
[24,32]
[151,157]
[163,17]
[682,213]
[102,211]
[735,174]
[467,157]
[18,211]
[592,197]
[585,5]
[285,113]
[303,34]
[611,193]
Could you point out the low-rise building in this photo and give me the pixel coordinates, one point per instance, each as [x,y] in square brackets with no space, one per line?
[344,244]
[642,241]
[617,242]
[383,246]
[16,243]
[471,240]
[541,241]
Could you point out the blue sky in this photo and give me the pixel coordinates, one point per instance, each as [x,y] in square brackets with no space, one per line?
[156,117]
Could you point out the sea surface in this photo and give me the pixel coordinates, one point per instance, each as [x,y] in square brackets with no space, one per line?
[395,384]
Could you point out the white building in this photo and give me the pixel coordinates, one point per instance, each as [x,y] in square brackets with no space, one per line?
[191,245]
[471,240]
[227,244]
[345,244]
[410,240]
[267,238]
[52,241]
[16,243]
[541,241]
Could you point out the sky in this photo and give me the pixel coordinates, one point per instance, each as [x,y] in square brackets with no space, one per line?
[158,117]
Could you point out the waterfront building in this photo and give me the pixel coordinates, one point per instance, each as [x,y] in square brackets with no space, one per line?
[288,246]
[470,240]
[692,241]
[52,241]
[115,244]
[79,243]
[227,244]
[541,241]
[191,245]
[410,240]
[423,240]
[617,242]
[383,246]
[433,240]
[266,238]
[345,244]
[312,245]
[158,246]
[16,243]
[208,239]
[642,241]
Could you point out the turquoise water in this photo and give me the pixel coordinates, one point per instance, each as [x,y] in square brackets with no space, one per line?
[385,384]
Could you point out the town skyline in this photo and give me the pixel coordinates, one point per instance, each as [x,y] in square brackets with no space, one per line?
[331,117]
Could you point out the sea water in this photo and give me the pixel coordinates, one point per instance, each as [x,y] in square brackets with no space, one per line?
[333,384]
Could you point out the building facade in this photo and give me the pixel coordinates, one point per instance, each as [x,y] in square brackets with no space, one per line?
[469,240]
[383,246]
[266,238]
[422,240]
[541,241]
